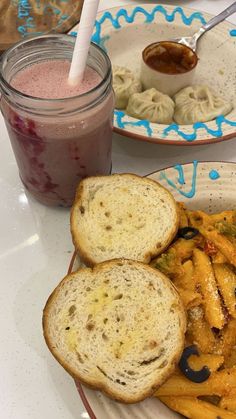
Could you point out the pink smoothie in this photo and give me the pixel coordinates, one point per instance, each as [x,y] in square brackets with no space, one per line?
[54,152]
[49,80]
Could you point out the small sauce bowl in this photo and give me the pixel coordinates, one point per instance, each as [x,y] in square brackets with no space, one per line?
[168,66]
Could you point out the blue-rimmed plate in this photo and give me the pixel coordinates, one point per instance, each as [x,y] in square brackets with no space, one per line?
[124,32]
[209,186]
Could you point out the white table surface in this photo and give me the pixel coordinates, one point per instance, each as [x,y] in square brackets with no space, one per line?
[35,250]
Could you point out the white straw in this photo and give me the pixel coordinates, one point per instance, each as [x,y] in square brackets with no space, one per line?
[82,43]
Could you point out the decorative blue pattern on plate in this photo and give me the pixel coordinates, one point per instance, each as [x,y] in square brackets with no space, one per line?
[214,174]
[220,120]
[120,115]
[180,183]
[181,180]
[150,17]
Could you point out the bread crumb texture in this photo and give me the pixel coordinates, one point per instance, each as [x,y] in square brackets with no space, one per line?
[119,327]
[122,216]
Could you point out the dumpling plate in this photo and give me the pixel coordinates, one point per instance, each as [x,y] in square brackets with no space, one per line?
[125,31]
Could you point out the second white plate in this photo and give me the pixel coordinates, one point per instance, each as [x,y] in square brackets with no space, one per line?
[210,186]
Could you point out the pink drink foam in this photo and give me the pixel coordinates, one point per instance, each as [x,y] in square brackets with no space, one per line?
[49,80]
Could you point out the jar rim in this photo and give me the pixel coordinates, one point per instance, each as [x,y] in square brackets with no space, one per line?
[22,95]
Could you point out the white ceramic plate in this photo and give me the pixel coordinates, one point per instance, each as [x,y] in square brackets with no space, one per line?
[124,32]
[210,186]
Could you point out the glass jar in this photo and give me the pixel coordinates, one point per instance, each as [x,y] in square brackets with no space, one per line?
[57,142]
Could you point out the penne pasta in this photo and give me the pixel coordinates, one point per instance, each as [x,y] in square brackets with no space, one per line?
[206,279]
[218,257]
[230,361]
[226,281]
[189,298]
[221,242]
[228,216]
[199,331]
[227,342]
[228,403]
[202,269]
[197,409]
[186,279]
[220,383]
[184,248]
[213,362]
[199,218]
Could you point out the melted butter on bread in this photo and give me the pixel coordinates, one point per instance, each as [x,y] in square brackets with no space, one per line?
[72,340]
[99,298]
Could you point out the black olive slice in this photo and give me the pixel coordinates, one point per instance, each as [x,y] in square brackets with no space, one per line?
[188,232]
[192,375]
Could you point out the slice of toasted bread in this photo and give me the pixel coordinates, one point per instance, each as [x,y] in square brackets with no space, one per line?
[118,327]
[122,215]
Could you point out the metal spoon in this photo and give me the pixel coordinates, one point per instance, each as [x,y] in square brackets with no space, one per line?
[191,41]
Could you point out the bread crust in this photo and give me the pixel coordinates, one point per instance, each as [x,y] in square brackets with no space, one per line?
[85,256]
[100,384]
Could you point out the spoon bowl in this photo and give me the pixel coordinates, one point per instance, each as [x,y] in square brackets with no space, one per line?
[167,66]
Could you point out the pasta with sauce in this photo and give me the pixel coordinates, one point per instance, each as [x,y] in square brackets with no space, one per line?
[203,268]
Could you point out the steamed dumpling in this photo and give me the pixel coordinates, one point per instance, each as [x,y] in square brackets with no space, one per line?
[124,84]
[152,105]
[199,104]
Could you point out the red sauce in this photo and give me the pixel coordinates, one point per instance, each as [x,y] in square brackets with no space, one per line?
[170,57]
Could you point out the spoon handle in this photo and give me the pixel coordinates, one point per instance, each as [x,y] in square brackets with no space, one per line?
[213,22]
[222,16]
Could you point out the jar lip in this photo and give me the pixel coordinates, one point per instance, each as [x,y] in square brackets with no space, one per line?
[58,100]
